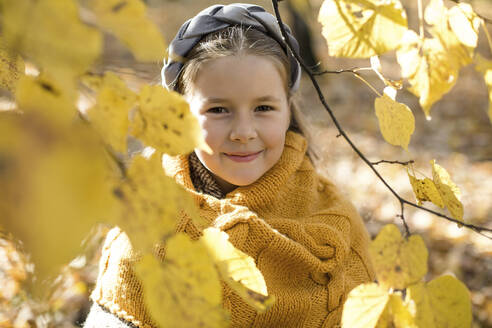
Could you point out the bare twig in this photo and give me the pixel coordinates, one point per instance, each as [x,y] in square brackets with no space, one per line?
[487,34]
[421,19]
[353,70]
[402,216]
[393,162]
[342,133]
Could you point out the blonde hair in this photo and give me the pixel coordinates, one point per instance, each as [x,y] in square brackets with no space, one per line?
[239,40]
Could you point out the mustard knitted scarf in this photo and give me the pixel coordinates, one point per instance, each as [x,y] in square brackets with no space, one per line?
[305,237]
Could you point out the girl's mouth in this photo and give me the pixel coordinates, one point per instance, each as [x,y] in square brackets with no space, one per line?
[247,158]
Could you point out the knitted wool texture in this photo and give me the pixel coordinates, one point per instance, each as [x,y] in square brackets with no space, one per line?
[202,179]
[305,237]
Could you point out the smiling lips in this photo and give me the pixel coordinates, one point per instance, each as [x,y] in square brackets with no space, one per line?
[243,157]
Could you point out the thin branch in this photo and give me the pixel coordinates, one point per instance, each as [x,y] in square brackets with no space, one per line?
[421,19]
[402,216]
[485,19]
[368,84]
[356,150]
[393,162]
[354,70]
[487,34]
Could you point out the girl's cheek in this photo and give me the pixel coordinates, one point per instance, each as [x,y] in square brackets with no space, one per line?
[213,133]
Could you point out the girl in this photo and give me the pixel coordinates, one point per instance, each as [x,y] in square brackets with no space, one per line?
[259,185]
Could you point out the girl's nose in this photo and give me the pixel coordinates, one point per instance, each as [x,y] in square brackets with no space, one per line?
[243,129]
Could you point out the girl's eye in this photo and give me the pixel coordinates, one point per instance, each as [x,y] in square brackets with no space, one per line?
[265,108]
[216,110]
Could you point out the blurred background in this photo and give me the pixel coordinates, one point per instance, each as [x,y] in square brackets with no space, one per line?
[458,137]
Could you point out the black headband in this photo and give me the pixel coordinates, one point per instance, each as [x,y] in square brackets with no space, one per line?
[215,18]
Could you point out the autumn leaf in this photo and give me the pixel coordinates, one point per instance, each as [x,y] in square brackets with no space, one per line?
[237,269]
[396,121]
[364,306]
[64,52]
[164,121]
[52,193]
[432,65]
[396,314]
[443,302]
[361,29]
[151,203]
[430,75]
[127,20]
[441,20]
[485,67]
[465,23]
[11,68]
[448,190]
[398,262]
[425,190]
[109,115]
[45,95]
[400,315]
[184,290]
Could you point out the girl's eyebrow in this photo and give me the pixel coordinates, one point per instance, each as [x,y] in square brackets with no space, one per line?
[219,100]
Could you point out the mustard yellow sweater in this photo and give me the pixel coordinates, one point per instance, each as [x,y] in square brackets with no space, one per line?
[305,237]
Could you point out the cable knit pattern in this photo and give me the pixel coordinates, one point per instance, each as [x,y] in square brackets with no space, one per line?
[202,179]
[305,237]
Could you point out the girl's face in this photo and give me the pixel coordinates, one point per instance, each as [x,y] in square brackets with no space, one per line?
[242,106]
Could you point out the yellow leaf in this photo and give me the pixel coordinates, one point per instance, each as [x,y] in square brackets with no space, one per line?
[396,121]
[465,24]
[398,262]
[361,29]
[432,65]
[165,122]
[45,95]
[485,66]
[450,193]
[400,314]
[109,115]
[438,16]
[430,75]
[184,290]
[396,313]
[13,13]
[237,269]
[364,306]
[55,188]
[127,20]
[425,190]
[62,45]
[151,203]
[11,69]
[443,302]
